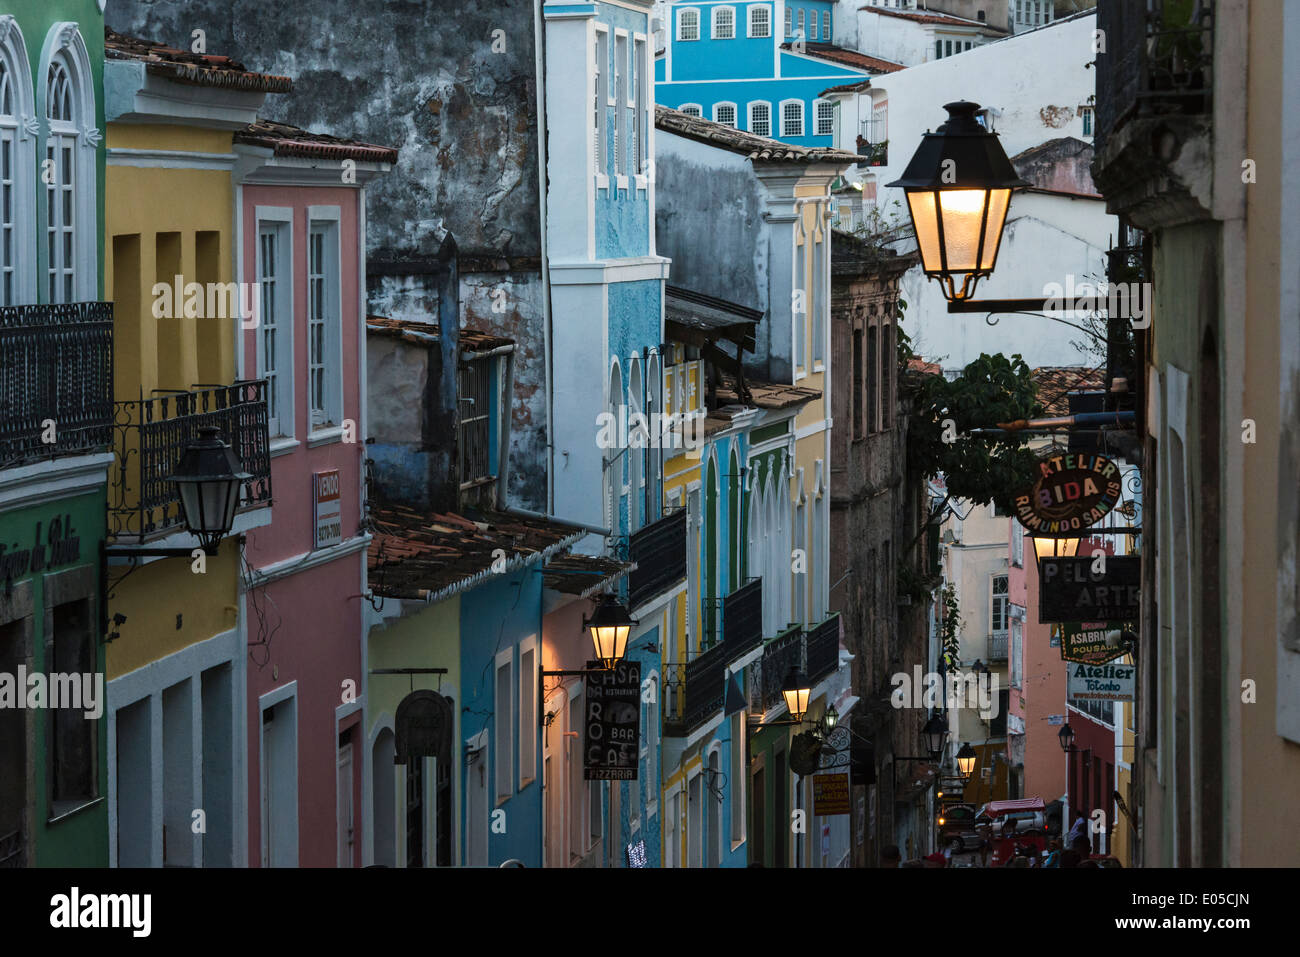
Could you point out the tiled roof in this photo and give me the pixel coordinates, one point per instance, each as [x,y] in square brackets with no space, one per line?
[860,87]
[198,69]
[428,333]
[1055,383]
[925,368]
[711,316]
[288,140]
[938,19]
[859,61]
[767,395]
[583,575]
[758,149]
[428,557]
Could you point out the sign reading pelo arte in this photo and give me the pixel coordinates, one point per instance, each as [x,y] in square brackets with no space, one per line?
[1069,590]
[1073,490]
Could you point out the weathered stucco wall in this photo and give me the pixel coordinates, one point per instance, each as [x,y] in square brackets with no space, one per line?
[453,87]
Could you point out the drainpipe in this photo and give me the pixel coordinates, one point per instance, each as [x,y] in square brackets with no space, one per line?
[539,31]
[542,516]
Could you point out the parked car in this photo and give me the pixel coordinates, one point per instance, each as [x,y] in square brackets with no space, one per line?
[1012,825]
[957,827]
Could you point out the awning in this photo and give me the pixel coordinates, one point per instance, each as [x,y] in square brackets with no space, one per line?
[695,318]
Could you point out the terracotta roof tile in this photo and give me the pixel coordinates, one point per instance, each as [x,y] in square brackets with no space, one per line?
[926,368]
[428,557]
[198,69]
[859,61]
[1055,383]
[941,19]
[767,395]
[288,140]
[429,333]
[758,149]
[583,575]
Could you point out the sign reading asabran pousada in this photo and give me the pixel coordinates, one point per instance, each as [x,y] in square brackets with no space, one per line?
[1071,491]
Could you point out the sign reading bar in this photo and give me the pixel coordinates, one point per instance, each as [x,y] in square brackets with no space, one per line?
[1086,642]
[1109,682]
[1069,590]
[1073,490]
[613,723]
[329,511]
[830,794]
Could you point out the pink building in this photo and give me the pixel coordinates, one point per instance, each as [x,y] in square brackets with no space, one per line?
[300,245]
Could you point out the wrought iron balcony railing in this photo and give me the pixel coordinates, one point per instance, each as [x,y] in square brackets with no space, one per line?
[742,619]
[824,648]
[694,690]
[1156,59]
[150,435]
[659,551]
[56,381]
[876,154]
[785,651]
[997,646]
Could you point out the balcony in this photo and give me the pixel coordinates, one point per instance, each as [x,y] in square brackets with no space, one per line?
[997,646]
[56,381]
[742,619]
[659,551]
[1156,61]
[874,154]
[150,435]
[694,691]
[782,653]
[824,649]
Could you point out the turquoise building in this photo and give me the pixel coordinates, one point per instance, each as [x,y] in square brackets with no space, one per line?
[759,66]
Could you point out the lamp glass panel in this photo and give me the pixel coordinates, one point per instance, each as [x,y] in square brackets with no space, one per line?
[1068,547]
[214,496]
[922,206]
[963,213]
[190,504]
[998,202]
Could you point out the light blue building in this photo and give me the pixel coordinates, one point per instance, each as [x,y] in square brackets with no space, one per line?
[759,66]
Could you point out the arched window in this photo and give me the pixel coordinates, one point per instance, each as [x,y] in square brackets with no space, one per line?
[760,21]
[18,241]
[824,114]
[691,109]
[792,118]
[688,24]
[613,458]
[638,439]
[725,113]
[724,23]
[734,537]
[760,118]
[71,139]
[712,506]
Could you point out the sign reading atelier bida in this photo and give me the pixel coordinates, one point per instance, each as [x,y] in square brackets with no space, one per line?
[1073,490]
[613,722]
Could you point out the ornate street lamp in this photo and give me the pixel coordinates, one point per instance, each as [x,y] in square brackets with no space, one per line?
[208,480]
[958,187]
[796,689]
[934,735]
[1066,737]
[609,626]
[966,759]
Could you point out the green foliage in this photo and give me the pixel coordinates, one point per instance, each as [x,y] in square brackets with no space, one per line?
[950,641]
[978,468]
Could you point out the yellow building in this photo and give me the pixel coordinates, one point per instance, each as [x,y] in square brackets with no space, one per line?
[178,636]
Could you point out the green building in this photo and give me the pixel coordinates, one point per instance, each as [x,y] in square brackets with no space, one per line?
[56,420]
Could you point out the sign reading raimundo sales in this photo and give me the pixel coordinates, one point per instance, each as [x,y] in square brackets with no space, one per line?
[1108,682]
[1073,490]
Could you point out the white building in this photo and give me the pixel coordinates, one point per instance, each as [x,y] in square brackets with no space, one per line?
[1037,92]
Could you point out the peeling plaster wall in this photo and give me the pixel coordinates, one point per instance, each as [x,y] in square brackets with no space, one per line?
[452,85]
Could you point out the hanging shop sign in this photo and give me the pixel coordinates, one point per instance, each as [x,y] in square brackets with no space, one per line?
[1070,590]
[1108,682]
[830,794]
[1072,491]
[328,503]
[613,722]
[1086,642]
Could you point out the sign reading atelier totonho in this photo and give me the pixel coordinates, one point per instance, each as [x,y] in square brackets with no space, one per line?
[1072,491]
[1108,682]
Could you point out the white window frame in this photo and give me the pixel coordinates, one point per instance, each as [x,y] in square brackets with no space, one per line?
[750,111]
[528,712]
[681,18]
[650,745]
[643,76]
[65,44]
[1017,545]
[713,26]
[687,107]
[618,95]
[789,22]
[813,24]
[784,104]
[817,117]
[737,779]
[503,730]
[757,23]
[799,23]
[672,826]
[280,220]
[1005,597]
[326,424]
[735,114]
[18,131]
[600,154]
[826,26]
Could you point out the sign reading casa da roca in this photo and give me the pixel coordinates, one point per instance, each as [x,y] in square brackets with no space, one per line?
[1073,490]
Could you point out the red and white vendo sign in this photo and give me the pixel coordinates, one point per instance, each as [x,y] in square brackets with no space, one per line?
[329,511]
